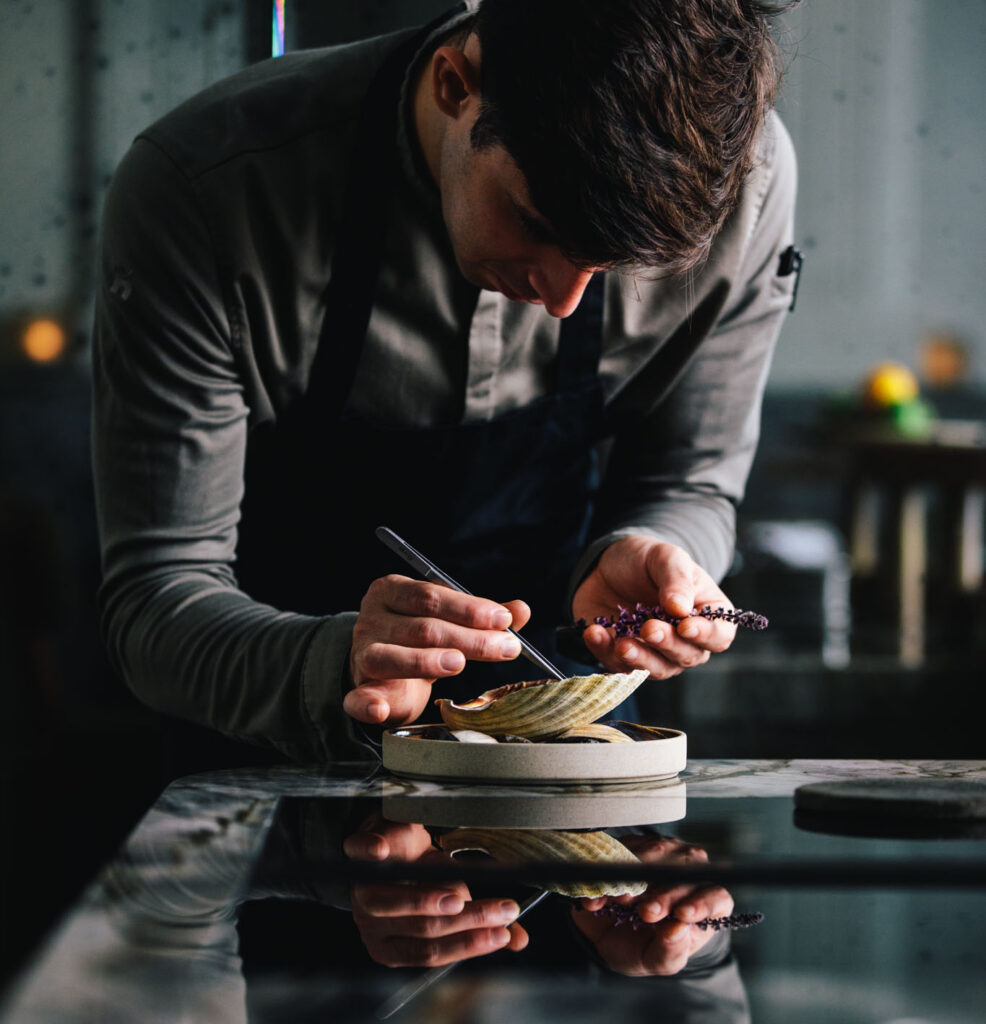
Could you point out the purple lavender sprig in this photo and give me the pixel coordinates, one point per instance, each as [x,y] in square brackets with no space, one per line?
[627,914]
[730,923]
[627,621]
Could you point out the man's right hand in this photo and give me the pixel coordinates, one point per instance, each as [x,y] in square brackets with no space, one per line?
[410,633]
[423,924]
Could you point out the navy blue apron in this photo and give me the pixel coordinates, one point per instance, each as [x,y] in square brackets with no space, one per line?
[502,505]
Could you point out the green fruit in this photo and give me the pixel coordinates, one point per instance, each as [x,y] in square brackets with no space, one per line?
[912,419]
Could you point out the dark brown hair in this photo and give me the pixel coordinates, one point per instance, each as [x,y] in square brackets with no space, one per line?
[634,121]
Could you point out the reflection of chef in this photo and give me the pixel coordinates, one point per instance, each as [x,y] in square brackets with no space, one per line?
[157,939]
[406,925]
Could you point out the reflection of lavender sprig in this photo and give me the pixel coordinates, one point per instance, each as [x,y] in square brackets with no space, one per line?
[627,621]
[624,914]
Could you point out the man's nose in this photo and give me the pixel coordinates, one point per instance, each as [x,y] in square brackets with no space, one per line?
[560,287]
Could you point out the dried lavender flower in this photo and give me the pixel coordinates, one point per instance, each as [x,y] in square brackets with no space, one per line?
[621,913]
[627,914]
[627,622]
[731,922]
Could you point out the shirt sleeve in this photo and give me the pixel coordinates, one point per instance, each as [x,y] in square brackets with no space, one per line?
[169,441]
[679,470]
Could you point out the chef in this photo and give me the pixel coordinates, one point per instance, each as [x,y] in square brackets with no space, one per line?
[508,284]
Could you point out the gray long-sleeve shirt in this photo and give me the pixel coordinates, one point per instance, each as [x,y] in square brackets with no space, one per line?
[217,244]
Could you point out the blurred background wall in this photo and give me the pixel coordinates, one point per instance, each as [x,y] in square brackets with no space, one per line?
[884,100]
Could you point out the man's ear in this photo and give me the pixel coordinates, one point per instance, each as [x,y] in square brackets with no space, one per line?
[454,81]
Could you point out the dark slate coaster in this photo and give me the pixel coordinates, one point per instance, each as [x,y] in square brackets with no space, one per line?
[896,798]
[862,826]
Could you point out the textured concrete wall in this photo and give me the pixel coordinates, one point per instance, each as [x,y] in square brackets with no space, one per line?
[883,98]
[35,107]
[78,79]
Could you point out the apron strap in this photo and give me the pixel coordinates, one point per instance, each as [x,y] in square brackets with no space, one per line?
[373,168]
[580,340]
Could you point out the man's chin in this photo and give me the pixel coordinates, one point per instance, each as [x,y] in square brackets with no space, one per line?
[476,276]
[494,283]
[490,281]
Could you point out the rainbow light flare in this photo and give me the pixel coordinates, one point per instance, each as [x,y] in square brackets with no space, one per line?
[277,33]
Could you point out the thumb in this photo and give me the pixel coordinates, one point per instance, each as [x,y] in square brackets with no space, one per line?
[367,704]
[673,574]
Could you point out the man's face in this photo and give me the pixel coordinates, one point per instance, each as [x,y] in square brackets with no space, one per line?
[500,241]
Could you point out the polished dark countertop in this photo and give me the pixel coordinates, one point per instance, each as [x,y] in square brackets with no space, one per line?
[230,902]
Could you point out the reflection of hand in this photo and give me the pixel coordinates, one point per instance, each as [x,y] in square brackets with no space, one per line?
[405,924]
[667,936]
[410,633]
[643,569]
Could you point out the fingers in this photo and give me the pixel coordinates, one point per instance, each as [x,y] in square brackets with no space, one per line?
[676,938]
[661,648]
[404,951]
[683,587]
[685,903]
[661,947]
[431,649]
[593,903]
[370,846]
[706,901]
[378,839]
[400,900]
[404,925]
[709,635]
[419,599]
[671,944]
[389,702]
[664,656]
[667,658]
[520,611]
[410,633]
[674,574]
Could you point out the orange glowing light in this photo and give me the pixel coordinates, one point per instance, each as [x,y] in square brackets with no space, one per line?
[43,341]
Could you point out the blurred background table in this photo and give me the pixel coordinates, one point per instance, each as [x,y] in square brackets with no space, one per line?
[917,528]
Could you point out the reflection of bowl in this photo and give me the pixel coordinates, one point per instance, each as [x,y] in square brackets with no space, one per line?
[569,764]
[649,803]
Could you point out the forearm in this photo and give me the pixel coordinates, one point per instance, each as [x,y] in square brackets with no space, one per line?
[170,415]
[190,644]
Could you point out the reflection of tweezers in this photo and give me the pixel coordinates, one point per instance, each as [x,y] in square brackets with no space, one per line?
[428,978]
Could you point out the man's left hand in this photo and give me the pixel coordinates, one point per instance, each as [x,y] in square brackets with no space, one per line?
[667,933]
[655,573]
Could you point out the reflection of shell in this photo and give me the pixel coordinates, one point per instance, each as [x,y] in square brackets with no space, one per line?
[544,707]
[541,845]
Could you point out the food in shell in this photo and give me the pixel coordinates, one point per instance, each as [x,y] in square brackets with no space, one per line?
[594,732]
[542,707]
[543,845]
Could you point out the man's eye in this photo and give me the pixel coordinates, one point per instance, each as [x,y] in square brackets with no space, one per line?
[535,230]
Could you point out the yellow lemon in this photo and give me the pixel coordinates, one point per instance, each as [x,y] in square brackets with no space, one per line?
[889,384]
